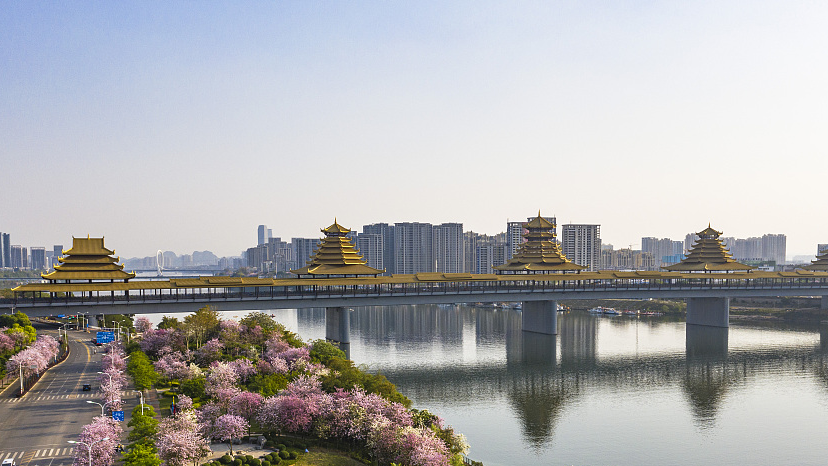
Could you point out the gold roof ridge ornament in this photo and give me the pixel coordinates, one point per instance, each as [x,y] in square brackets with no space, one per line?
[708,254]
[88,260]
[336,256]
[540,253]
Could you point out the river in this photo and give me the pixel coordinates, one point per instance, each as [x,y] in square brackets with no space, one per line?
[605,390]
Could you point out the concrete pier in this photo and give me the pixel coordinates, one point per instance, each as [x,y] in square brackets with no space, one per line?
[338,324]
[713,312]
[705,342]
[540,317]
[823,303]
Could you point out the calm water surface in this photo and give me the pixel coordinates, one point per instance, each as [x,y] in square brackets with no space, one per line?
[605,390]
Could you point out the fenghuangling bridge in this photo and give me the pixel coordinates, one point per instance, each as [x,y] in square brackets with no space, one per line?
[336,278]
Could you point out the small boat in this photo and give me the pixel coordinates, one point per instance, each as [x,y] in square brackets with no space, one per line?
[597,310]
[610,311]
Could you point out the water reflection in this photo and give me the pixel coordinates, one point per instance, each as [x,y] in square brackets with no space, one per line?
[464,356]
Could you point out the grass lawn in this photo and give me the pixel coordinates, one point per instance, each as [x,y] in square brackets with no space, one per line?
[325,457]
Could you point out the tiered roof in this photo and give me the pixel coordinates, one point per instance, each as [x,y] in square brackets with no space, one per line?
[336,256]
[820,264]
[540,253]
[708,254]
[88,260]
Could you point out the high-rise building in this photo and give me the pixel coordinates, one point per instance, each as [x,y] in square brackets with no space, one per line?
[822,249]
[689,241]
[371,247]
[514,237]
[387,232]
[303,249]
[774,248]
[2,256]
[263,234]
[38,258]
[19,258]
[6,251]
[582,245]
[449,249]
[413,248]
[661,249]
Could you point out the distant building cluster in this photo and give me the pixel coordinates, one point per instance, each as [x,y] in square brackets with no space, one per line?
[767,252]
[416,247]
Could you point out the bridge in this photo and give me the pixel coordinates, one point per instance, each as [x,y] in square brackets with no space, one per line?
[337,278]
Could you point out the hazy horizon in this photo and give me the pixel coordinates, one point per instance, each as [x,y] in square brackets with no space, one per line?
[174,127]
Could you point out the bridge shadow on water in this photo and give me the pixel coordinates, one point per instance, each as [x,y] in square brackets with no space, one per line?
[423,350]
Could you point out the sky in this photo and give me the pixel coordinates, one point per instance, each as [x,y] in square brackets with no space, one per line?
[184,125]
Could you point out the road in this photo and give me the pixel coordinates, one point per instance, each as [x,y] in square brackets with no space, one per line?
[34,430]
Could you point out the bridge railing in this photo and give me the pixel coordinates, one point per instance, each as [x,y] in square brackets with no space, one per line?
[453,288]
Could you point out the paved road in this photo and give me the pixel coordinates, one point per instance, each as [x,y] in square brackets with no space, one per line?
[34,430]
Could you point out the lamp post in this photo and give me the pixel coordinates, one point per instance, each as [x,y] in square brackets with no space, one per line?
[101,405]
[110,376]
[89,446]
[142,401]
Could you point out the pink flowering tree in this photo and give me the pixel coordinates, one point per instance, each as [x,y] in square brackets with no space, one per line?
[6,342]
[179,440]
[222,376]
[34,359]
[243,368]
[102,451]
[228,427]
[142,324]
[210,351]
[172,366]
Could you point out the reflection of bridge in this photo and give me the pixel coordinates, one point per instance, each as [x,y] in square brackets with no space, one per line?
[542,375]
[707,294]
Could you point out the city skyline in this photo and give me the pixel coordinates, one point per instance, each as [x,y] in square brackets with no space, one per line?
[166,127]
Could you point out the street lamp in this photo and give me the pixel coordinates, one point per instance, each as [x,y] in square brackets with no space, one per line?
[142,400]
[110,376]
[101,405]
[89,446]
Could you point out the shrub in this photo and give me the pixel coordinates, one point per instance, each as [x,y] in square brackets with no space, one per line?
[269,444]
[284,454]
[276,460]
[248,459]
[281,447]
[237,462]
[294,454]
[226,459]
[255,462]
[266,463]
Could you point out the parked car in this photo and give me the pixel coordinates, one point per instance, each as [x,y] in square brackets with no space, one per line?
[86,387]
[9,462]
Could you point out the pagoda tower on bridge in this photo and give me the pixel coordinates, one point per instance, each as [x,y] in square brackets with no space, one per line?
[88,261]
[540,253]
[820,264]
[336,256]
[708,254]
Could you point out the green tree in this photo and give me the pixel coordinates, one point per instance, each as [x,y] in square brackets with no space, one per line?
[8,320]
[141,370]
[142,455]
[168,322]
[194,388]
[267,323]
[202,324]
[323,351]
[143,430]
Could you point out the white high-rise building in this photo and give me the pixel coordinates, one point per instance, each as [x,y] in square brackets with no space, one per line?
[263,234]
[448,243]
[582,245]
[387,233]
[371,247]
[774,248]
[303,250]
[413,248]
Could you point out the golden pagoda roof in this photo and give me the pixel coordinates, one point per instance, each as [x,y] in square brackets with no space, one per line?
[336,228]
[820,264]
[88,247]
[336,255]
[540,253]
[88,259]
[708,254]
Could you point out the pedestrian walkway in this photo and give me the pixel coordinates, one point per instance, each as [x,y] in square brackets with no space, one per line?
[73,396]
[43,453]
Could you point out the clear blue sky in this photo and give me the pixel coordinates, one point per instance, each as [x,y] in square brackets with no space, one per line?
[182,126]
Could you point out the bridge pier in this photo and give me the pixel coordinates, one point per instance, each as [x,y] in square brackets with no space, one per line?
[703,341]
[823,304]
[540,317]
[713,312]
[338,324]
[92,320]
